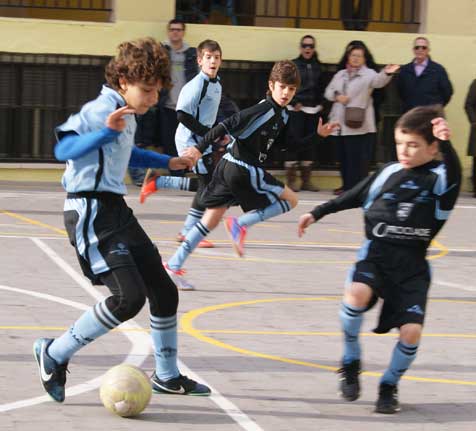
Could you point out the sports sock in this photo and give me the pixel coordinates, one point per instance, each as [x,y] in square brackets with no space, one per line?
[164,335]
[95,322]
[194,236]
[176,183]
[351,319]
[252,217]
[402,357]
[193,217]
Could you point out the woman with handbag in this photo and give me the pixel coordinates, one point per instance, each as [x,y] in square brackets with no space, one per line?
[351,91]
[470,108]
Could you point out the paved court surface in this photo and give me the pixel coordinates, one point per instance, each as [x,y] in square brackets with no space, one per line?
[262,331]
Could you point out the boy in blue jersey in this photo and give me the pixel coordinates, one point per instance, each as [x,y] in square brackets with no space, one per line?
[240,178]
[197,108]
[405,204]
[111,246]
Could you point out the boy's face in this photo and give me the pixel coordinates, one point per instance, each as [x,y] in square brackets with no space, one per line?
[140,96]
[413,150]
[210,62]
[282,93]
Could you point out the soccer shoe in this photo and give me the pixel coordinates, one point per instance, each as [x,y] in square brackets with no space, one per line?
[202,244]
[237,234]
[52,375]
[349,380]
[387,402]
[148,186]
[177,277]
[180,385]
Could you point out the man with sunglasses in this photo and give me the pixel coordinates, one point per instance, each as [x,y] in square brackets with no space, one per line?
[423,81]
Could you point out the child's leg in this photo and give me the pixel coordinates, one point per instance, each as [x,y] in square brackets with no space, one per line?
[128,297]
[209,221]
[287,201]
[197,210]
[356,299]
[404,353]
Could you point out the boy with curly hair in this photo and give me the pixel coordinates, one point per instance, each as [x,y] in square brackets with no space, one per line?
[111,246]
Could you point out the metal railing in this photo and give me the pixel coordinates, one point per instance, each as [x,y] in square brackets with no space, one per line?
[84,10]
[354,16]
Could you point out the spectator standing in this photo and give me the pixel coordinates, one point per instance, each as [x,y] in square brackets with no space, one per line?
[303,116]
[184,67]
[351,91]
[470,108]
[423,82]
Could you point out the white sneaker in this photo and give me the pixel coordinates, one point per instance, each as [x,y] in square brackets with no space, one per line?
[178,278]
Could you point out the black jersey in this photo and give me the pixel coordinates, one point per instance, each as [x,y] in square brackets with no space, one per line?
[404,206]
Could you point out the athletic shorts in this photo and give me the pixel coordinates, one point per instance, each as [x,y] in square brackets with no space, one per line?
[400,276]
[235,182]
[104,232]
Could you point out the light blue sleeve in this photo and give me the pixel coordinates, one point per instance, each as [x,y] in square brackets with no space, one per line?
[189,97]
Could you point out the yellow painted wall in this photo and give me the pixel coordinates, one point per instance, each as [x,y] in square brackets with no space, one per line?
[453,44]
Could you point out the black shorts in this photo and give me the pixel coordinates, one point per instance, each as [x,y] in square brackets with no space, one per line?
[398,275]
[104,232]
[235,182]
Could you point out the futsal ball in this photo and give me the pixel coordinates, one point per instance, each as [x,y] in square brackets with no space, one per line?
[125,390]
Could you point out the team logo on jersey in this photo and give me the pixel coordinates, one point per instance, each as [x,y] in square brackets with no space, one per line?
[121,250]
[404,210]
[410,184]
[384,230]
[415,309]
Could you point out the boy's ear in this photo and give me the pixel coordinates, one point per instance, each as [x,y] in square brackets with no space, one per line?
[271,85]
[435,147]
[122,84]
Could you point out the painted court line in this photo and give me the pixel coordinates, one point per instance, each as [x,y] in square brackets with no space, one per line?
[227,406]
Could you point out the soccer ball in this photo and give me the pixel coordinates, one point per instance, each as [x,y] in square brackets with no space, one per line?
[125,390]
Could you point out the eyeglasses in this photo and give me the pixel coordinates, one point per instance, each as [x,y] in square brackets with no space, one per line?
[175,29]
[423,47]
[307,45]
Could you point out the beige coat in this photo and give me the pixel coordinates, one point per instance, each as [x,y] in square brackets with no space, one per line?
[359,90]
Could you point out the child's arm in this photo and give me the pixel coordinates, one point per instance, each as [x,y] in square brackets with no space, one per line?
[141,158]
[352,198]
[191,123]
[72,146]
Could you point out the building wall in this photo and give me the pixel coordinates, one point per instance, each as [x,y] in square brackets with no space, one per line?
[452,32]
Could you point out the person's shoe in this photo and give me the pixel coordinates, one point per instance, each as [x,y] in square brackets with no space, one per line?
[338,191]
[387,402]
[52,375]
[148,186]
[349,380]
[177,277]
[204,243]
[237,234]
[180,385]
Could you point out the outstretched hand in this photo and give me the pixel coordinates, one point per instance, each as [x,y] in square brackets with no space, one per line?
[390,69]
[192,153]
[325,130]
[441,130]
[305,221]
[116,121]
[178,163]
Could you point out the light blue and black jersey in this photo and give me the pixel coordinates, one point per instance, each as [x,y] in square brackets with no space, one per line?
[407,207]
[198,103]
[104,168]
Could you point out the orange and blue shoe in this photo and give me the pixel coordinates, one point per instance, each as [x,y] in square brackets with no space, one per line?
[204,243]
[237,234]
[148,186]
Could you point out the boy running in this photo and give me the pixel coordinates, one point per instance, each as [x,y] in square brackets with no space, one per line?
[240,178]
[112,248]
[197,109]
[405,204]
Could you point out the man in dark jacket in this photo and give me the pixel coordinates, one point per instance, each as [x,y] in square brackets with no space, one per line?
[423,82]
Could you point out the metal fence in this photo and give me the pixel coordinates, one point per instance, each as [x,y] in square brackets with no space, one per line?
[298,13]
[84,10]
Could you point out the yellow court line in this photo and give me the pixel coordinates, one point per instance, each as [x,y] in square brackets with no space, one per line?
[443,250]
[33,222]
[187,325]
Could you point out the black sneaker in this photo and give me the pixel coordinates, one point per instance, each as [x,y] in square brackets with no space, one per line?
[349,380]
[52,375]
[180,385]
[387,402]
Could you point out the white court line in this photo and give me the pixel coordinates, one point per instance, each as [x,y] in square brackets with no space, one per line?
[227,406]
[455,285]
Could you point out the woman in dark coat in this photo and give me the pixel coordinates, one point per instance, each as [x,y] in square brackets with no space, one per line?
[470,108]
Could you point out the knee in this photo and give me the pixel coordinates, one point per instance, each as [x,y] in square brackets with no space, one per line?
[130,306]
[410,333]
[358,295]
[293,200]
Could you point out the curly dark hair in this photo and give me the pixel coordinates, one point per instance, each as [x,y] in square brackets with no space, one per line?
[418,121]
[141,60]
